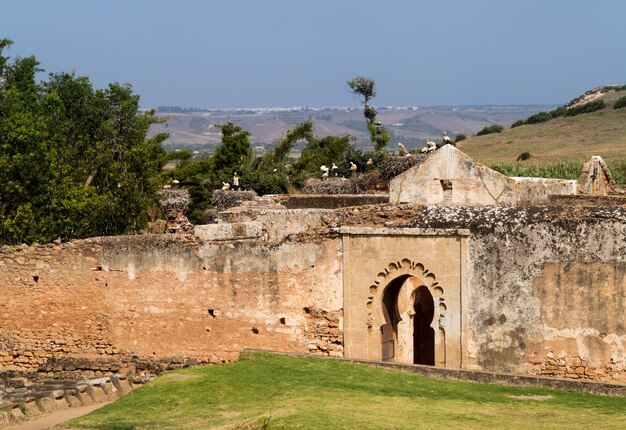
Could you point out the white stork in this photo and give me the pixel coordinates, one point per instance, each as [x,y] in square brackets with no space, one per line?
[402,151]
[352,168]
[446,139]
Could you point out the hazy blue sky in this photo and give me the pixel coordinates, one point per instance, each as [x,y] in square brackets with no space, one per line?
[248,53]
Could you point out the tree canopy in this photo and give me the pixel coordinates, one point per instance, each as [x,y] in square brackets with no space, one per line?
[74,160]
[365,87]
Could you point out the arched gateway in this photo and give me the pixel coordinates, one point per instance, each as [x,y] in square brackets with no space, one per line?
[406,310]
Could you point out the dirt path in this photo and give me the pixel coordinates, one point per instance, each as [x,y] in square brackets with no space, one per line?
[49,421]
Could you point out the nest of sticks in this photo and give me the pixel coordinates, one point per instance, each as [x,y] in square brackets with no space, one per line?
[224,199]
[177,199]
[392,166]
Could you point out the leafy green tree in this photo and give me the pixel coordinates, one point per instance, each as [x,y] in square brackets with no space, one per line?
[326,150]
[234,152]
[74,161]
[365,87]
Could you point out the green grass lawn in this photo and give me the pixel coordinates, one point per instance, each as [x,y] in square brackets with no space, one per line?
[282,392]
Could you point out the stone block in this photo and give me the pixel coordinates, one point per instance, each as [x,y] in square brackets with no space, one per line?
[243,230]
[121,385]
[46,404]
[17,414]
[97,394]
[31,409]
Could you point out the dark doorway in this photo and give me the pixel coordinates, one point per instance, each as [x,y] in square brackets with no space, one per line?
[423,334]
[389,330]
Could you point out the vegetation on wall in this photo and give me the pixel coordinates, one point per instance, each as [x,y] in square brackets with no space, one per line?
[74,160]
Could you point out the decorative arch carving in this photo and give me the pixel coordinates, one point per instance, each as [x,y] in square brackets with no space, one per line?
[404,267]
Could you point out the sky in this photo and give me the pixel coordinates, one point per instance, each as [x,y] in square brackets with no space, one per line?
[259,53]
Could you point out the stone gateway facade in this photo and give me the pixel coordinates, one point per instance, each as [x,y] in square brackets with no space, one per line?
[536,288]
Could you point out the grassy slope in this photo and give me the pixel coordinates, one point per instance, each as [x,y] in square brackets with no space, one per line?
[563,139]
[312,393]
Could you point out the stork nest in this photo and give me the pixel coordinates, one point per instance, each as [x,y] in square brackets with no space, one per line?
[224,199]
[358,184]
[173,199]
[369,181]
[392,166]
[328,186]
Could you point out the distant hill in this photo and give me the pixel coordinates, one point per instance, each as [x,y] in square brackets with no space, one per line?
[565,138]
[411,126]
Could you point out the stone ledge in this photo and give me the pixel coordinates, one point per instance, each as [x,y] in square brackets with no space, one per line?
[227,231]
[379,231]
[592,387]
[82,393]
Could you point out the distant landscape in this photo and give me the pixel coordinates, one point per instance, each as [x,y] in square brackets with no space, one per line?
[195,129]
[557,137]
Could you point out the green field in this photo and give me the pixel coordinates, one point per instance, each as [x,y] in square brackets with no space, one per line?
[567,138]
[264,391]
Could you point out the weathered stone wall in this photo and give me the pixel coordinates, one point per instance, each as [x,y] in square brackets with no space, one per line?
[544,292]
[164,298]
[450,177]
[547,288]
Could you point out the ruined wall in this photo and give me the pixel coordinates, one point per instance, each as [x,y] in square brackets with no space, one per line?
[547,288]
[113,301]
[545,291]
[450,177]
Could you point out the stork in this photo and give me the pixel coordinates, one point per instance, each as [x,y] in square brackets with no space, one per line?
[370,163]
[225,186]
[334,169]
[446,139]
[352,168]
[402,151]
[324,170]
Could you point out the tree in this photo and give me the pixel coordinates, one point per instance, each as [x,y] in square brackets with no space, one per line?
[235,150]
[365,87]
[74,161]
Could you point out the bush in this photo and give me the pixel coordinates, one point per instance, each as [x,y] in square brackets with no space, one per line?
[518,123]
[620,103]
[496,128]
[539,118]
[459,137]
[523,156]
[586,108]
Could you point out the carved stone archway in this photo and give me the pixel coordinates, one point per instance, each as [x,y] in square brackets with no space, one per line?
[435,259]
[398,330]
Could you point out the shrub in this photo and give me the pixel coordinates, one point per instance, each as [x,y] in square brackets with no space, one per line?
[560,111]
[459,137]
[496,128]
[620,103]
[518,123]
[523,156]
[586,108]
[539,118]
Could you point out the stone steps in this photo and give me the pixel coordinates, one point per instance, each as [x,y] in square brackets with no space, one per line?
[37,400]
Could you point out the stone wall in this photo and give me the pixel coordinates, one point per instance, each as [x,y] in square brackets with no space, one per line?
[547,287]
[543,293]
[113,302]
